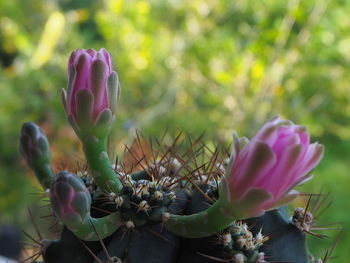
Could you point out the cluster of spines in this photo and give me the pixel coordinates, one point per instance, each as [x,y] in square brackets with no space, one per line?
[139,201]
[238,241]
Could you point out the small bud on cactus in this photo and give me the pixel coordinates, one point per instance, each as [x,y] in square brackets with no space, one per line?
[93,90]
[71,203]
[34,147]
[70,199]
[262,174]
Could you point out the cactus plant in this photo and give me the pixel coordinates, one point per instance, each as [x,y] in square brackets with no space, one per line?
[181,205]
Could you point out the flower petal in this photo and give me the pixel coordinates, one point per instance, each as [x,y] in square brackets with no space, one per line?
[313,157]
[279,174]
[82,68]
[284,200]
[107,57]
[98,78]
[258,162]
[85,104]
[113,90]
[267,134]
[251,202]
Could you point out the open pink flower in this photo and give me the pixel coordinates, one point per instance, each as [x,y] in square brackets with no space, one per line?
[263,173]
[93,86]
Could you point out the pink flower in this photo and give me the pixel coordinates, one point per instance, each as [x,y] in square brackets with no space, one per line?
[262,174]
[93,86]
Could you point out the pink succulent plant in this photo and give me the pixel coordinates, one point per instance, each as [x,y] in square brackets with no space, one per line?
[93,86]
[262,174]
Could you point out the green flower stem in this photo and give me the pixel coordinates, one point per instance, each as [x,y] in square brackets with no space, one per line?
[208,222]
[93,229]
[220,215]
[97,157]
[44,174]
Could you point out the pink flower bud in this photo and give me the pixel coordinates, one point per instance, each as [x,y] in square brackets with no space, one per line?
[262,174]
[93,87]
[70,199]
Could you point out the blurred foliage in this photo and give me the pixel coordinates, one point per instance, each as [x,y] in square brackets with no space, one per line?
[199,66]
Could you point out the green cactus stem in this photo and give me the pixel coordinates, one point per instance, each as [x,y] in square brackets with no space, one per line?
[216,218]
[99,163]
[44,174]
[94,229]
[205,223]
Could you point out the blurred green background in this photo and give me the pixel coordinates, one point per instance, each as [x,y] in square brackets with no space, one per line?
[198,66]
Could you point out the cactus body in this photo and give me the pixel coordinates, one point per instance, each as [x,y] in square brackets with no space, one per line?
[153,243]
[277,225]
